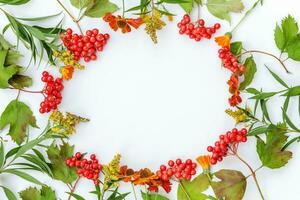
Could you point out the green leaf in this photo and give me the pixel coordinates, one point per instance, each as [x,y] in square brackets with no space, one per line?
[293,91]
[153,196]
[23,175]
[289,121]
[188,6]
[8,193]
[277,78]
[2,158]
[264,95]
[95,8]
[46,193]
[279,38]
[232,184]
[14,2]
[252,91]
[293,49]
[222,8]
[39,18]
[290,29]
[270,152]
[258,130]
[57,156]
[19,116]
[76,196]
[6,72]
[192,190]
[20,81]
[249,73]
[236,48]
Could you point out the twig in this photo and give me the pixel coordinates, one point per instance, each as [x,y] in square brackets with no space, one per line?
[73,188]
[69,13]
[266,53]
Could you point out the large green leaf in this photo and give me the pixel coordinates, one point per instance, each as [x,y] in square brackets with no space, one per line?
[18,116]
[192,190]
[222,8]
[46,193]
[57,156]
[232,184]
[249,73]
[270,152]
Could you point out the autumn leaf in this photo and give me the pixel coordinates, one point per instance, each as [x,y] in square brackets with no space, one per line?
[57,156]
[18,116]
[222,8]
[270,152]
[6,72]
[232,184]
[20,81]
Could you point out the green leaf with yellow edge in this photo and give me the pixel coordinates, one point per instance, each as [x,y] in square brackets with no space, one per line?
[6,72]
[153,196]
[18,116]
[57,156]
[222,8]
[249,73]
[192,190]
[270,151]
[232,184]
[31,193]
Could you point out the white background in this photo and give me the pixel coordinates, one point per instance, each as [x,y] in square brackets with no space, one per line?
[152,103]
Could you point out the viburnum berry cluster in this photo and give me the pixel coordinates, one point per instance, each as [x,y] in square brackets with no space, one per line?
[89,169]
[226,142]
[52,92]
[230,62]
[84,46]
[179,169]
[196,30]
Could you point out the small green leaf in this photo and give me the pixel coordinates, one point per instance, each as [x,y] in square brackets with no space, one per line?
[192,190]
[76,196]
[222,8]
[293,91]
[153,196]
[249,73]
[46,193]
[236,48]
[6,72]
[232,184]
[277,78]
[279,38]
[258,130]
[8,193]
[2,158]
[19,116]
[289,121]
[252,91]
[187,6]
[293,49]
[264,95]
[290,29]
[270,152]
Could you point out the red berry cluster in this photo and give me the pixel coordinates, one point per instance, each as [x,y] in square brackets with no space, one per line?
[228,141]
[179,169]
[52,92]
[231,62]
[89,169]
[196,30]
[85,46]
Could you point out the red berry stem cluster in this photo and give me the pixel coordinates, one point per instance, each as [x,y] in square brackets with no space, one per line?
[196,30]
[52,92]
[179,169]
[231,63]
[85,46]
[89,169]
[228,141]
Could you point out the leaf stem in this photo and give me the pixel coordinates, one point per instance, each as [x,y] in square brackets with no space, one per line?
[72,17]
[28,91]
[184,190]
[133,189]
[246,14]
[266,53]
[73,188]
[252,174]
[123,8]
